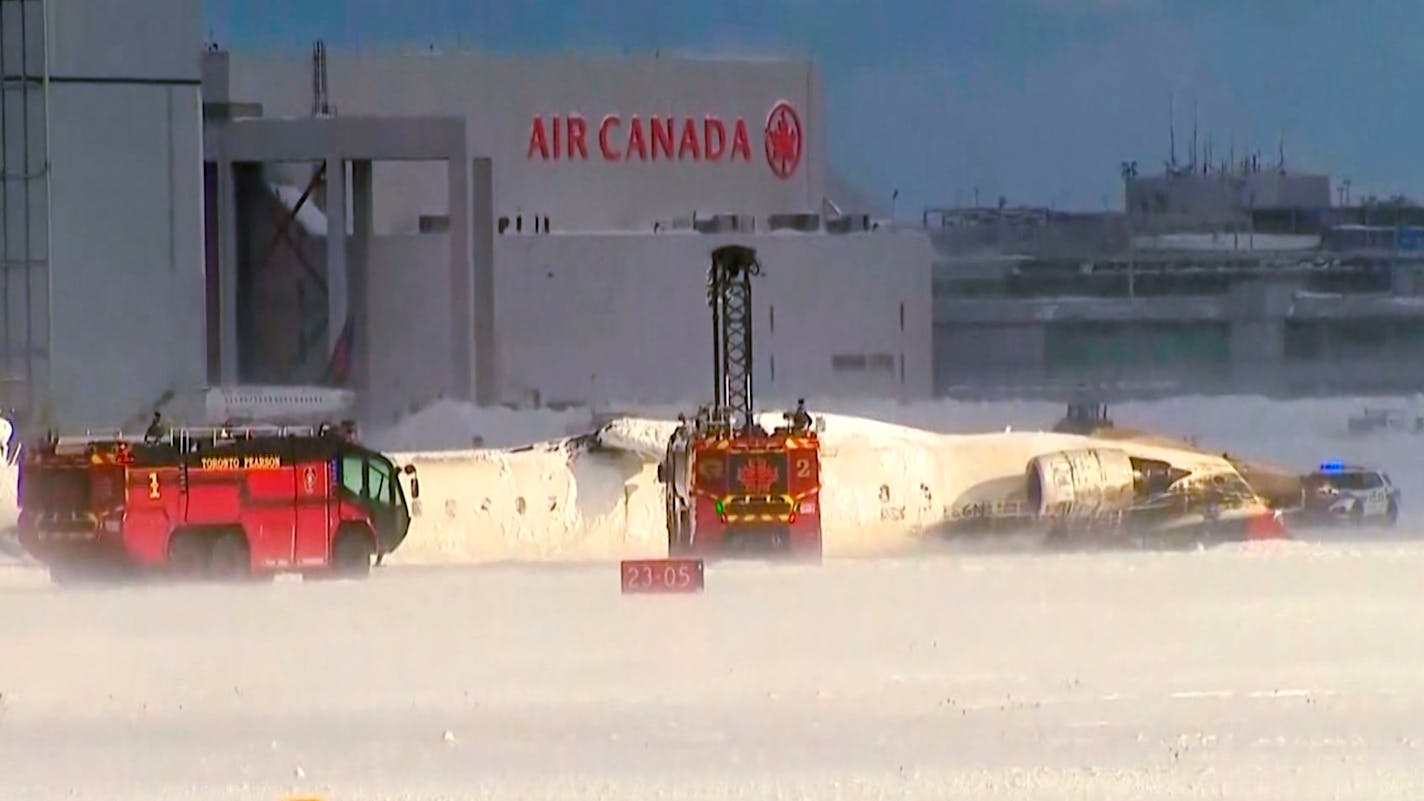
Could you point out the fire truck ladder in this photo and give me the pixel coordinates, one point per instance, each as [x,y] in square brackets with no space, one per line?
[729,293]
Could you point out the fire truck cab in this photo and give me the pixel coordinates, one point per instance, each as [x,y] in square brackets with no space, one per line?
[215,503]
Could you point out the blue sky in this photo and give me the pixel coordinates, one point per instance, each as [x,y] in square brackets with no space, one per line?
[1037,100]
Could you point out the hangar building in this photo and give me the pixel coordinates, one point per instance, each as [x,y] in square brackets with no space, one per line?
[599,185]
[518,229]
[101,247]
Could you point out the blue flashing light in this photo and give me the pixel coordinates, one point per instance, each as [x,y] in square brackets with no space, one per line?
[1332,467]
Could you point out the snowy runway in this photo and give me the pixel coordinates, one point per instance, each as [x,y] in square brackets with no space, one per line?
[1282,670]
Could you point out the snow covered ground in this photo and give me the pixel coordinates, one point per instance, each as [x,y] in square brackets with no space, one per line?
[1279,669]
[1283,670]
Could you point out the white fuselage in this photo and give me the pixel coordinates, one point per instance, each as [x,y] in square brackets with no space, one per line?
[882,484]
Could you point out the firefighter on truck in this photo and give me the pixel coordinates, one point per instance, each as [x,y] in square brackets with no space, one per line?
[218,503]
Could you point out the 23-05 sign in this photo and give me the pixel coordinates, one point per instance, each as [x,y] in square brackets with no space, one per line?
[643,576]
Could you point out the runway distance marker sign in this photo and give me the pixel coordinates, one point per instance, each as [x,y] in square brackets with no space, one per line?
[661,576]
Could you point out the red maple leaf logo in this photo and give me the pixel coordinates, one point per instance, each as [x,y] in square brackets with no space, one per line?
[757,475]
[783,139]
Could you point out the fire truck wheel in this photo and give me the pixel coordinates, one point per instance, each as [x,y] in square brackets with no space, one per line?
[351,554]
[229,559]
[188,554]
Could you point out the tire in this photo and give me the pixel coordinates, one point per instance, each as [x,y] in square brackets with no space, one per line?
[1391,515]
[351,554]
[189,555]
[230,559]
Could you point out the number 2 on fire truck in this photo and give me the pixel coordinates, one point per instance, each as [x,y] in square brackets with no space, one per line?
[803,467]
[153,486]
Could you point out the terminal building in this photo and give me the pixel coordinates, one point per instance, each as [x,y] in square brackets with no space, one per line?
[535,230]
[598,187]
[1241,278]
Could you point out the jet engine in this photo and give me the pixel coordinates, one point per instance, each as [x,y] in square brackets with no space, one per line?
[1094,481]
[1080,483]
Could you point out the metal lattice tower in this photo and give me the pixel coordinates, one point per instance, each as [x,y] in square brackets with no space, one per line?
[24,203]
[729,293]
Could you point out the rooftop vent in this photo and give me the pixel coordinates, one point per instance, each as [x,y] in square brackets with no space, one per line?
[805,222]
[725,223]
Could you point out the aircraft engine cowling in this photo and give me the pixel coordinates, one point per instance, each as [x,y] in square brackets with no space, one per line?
[1081,483]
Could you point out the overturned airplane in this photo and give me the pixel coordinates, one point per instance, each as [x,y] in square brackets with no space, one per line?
[884,486]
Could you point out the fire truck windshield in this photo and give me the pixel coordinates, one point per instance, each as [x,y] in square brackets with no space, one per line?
[371,477]
[371,480]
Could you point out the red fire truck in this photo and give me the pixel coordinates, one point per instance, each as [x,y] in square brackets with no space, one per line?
[731,487]
[214,503]
[746,494]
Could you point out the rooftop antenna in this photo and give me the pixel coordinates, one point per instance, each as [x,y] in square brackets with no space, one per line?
[1171,134]
[1281,152]
[1194,134]
[321,104]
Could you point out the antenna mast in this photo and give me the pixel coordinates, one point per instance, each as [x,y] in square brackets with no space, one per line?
[1194,134]
[1171,134]
[729,293]
[321,103]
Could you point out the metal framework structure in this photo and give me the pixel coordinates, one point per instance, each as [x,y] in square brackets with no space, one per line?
[348,147]
[729,293]
[312,335]
[24,201]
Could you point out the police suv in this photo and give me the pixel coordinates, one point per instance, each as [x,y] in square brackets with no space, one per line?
[1341,493]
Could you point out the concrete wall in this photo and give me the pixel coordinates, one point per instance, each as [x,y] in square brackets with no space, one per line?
[624,318]
[126,287]
[500,95]
[409,361]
